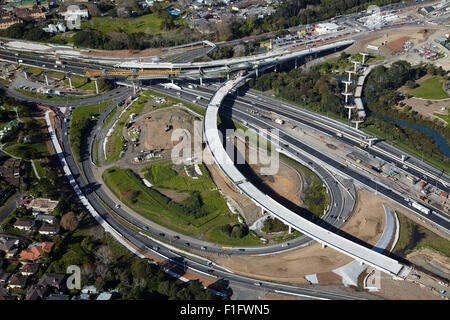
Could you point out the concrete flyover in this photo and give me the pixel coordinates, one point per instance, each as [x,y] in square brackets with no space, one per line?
[327,238]
[256,62]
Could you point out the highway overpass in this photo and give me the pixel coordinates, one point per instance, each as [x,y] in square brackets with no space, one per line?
[322,235]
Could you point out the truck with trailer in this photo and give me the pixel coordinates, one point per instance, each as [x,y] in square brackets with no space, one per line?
[420,207]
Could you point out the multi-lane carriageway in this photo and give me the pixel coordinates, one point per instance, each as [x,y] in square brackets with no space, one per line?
[322,235]
[306,118]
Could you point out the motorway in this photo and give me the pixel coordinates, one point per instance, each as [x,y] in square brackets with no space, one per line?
[145,244]
[153,246]
[436,218]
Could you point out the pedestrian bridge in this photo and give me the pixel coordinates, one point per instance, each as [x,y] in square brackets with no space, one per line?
[322,235]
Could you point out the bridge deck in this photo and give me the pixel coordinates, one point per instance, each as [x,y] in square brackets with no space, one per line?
[305,226]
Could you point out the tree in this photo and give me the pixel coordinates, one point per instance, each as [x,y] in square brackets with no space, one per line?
[69,221]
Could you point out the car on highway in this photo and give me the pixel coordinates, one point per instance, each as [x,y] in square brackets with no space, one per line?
[156,248]
[176,237]
[117,205]
[145,228]
[258,284]
[187,244]
[162,234]
[203,248]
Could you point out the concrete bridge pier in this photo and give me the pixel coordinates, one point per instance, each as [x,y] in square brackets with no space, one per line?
[25,73]
[201,81]
[46,78]
[96,85]
[324,245]
[295,63]
[69,76]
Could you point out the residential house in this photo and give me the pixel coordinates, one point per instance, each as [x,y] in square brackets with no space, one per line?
[10,246]
[89,290]
[17,281]
[51,29]
[27,4]
[58,297]
[52,280]
[4,278]
[8,22]
[47,218]
[29,14]
[104,296]
[25,225]
[49,229]
[35,251]
[36,293]
[10,170]
[40,205]
[29,269]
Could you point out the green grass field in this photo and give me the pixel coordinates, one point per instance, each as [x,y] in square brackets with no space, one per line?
[429,89]
[155,206]
[114,145]
[414,237]
[127,25]
[445,117]
[90,110]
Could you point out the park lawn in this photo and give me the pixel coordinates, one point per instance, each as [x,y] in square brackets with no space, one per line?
[128,25]
[5,82]
[40,170]
[414,237]
[90,110]
[155,206]
[77,81]
[429,89]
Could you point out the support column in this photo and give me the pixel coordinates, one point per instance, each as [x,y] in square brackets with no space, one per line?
[25,74]
[257,73]
[323,246]
[201,81]
[295,63]
[96,86]
[262,211]
[69,76]
[290,229]
[46,78]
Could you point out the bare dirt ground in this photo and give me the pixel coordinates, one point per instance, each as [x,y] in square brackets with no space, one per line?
[431,260]
[414,34]
[288,182]
[403,290]
[154,135]
[366,223]
[174,195]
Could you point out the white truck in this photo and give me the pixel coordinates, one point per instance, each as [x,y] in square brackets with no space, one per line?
[59,62]
[279,121]
[420,207]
